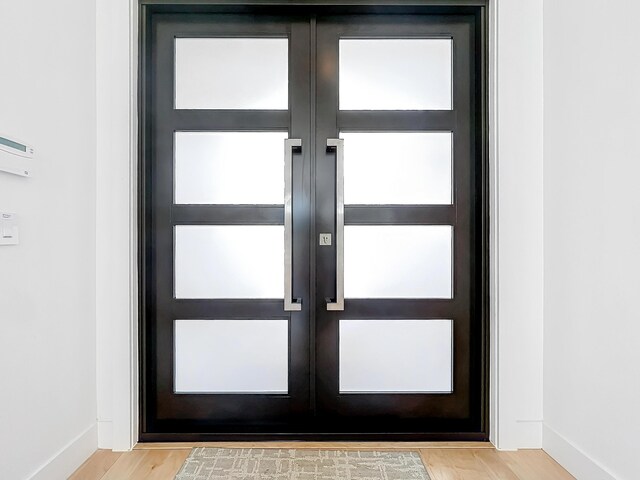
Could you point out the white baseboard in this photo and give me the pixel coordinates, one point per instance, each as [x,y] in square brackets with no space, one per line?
[105,434]
[529,434]
[69,458]
[574,460]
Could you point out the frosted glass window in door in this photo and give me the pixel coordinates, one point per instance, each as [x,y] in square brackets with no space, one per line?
[399,261]
[232,73]
[229,167]
[395,74]
[397,167]
[231,356]
[229,261]
[396,356]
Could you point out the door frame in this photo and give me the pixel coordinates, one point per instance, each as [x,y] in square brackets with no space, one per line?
[117,203]
[466,25]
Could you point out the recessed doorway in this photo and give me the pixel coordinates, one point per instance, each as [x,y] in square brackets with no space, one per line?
[315,223]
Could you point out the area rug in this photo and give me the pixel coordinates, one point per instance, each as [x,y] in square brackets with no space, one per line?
[285,464]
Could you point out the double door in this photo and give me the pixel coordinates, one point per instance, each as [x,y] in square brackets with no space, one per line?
[312,235]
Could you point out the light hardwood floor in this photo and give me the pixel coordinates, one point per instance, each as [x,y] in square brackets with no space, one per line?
[444,461]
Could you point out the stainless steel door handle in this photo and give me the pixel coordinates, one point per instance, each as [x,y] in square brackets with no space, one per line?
[338,145]
[290,304]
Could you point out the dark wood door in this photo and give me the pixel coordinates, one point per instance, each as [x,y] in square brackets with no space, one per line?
[211,233]
[313,230]
[409,269]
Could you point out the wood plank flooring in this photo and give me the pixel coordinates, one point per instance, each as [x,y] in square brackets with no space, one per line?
[444,461]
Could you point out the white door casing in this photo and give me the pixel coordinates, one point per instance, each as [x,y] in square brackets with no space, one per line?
[515,127]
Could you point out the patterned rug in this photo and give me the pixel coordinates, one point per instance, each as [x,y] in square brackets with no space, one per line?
[285,464]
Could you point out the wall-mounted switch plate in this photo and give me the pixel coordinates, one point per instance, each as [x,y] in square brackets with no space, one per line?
[8,229]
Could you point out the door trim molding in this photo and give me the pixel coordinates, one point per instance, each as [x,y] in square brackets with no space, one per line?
[117,316]
[117,223]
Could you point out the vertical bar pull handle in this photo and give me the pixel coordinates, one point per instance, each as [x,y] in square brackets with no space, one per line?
[337,144]
[290,304]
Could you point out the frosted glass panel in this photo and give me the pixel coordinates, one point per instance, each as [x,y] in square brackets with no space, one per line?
[229,167]
[232,73]
[225,261]
[395,74]
[403,356]
[231,356]
[397,168]
[400,261]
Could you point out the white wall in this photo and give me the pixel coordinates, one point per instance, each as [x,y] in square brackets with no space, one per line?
[592,236]
[47,283]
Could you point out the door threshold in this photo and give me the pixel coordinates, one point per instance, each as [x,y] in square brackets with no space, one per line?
[301,445]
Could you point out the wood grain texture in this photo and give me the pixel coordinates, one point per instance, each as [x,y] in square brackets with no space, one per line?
[533,465]
[96,466]
[450,461]
[455,464]
[475,464]
[147,465]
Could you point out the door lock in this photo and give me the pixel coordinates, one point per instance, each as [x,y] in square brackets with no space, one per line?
[325,239]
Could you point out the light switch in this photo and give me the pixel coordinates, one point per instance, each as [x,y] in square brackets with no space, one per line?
[8,229]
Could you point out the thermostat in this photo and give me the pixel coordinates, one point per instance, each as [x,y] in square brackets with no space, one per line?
[14,155]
